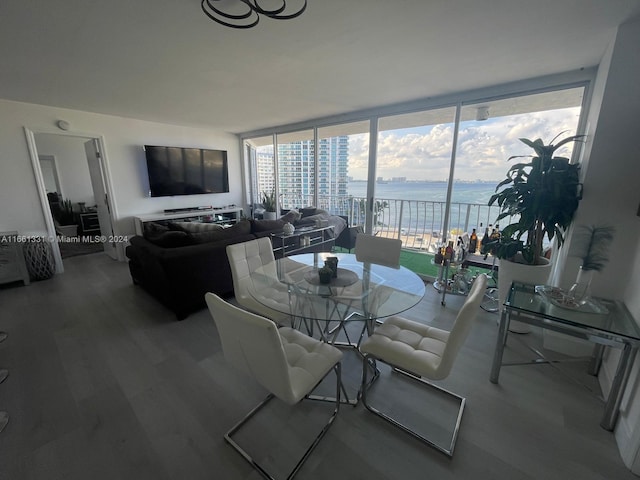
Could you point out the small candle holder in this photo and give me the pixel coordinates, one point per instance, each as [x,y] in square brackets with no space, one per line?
[332,263]
[324,274]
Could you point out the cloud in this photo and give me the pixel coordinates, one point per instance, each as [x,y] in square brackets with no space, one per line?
[424,153]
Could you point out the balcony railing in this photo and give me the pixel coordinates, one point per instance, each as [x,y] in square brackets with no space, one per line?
[418,223]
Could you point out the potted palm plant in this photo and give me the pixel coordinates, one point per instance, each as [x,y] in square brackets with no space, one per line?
[269,204]
[541,197]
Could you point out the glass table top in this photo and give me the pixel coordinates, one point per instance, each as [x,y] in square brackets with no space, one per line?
[614,320]
[369,289]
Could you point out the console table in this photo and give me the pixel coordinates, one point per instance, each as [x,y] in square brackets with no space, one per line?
[303,240]
[213,215]
[614,327]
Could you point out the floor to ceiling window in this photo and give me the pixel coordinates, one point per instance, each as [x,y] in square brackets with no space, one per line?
[423,175]
[296,169]
[343,164]
[413,155]
[489,134]
[259,159]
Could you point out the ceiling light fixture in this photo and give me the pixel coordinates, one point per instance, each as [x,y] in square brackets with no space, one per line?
[232,13]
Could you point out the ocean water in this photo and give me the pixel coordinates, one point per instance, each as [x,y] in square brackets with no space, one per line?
[469,205]
[463,192]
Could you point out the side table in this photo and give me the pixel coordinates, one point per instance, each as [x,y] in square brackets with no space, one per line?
[12,264]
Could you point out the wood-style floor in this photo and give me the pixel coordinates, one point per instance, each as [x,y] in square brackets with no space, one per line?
[105,384]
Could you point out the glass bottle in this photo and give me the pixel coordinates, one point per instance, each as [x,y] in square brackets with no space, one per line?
[473,241]
[448,254]
[485,239]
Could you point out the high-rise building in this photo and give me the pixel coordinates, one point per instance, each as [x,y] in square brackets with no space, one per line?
[296,171]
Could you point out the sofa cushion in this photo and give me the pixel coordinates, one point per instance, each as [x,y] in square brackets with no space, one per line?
[266,225]
[241,228]
[170,239]
[153,228]
[195,227]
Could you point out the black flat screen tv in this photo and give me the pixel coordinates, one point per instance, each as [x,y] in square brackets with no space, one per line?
[186,171]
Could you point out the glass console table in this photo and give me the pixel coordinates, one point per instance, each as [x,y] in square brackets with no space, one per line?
[303,240]
[611,326]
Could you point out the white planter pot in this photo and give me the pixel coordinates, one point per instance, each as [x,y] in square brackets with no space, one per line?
[520,272]
[269,215]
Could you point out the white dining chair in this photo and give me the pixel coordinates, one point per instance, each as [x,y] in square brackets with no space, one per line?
[244,259]
[286,362]
[380,250]
[371,249]
[422,353]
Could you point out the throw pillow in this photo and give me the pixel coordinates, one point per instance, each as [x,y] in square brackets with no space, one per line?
[291,216]
[312,219]
[308,211]
[241,228]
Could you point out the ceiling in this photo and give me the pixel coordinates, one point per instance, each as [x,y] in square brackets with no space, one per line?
[165,61]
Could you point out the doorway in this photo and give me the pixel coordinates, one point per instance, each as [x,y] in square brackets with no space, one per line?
[76,168]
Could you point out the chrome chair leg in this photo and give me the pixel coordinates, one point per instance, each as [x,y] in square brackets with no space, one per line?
[228,436]
[447,450]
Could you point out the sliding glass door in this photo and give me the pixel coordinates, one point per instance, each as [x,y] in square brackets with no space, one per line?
[343,166]
[489,134]
[413,164]
[296,169]
[424,176]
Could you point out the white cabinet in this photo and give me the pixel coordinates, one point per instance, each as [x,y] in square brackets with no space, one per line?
[12,264]
[213,215]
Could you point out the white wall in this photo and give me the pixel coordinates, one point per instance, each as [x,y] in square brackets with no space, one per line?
[124,137]
[611,192]
[611,197]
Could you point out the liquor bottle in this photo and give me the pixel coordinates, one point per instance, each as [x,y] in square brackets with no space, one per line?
[479,248]
[495,234]
[460,250]
[439,256]
[485,239]
[448,253]
[473,241]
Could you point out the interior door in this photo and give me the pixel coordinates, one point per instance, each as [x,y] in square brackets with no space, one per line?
[96,172]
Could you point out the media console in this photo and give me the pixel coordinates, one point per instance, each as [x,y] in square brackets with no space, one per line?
[198,214]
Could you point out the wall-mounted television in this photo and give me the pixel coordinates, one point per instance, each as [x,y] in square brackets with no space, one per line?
[186,171]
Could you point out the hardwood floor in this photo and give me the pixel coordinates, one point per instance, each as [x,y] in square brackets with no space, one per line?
[105,384]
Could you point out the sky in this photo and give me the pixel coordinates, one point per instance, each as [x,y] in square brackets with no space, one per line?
[424,153]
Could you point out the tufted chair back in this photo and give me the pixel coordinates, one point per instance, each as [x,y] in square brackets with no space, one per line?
[245,258]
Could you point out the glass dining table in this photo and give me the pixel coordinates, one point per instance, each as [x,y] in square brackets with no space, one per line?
[360,292]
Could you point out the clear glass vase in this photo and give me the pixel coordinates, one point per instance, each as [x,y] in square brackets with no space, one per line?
[580,291]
